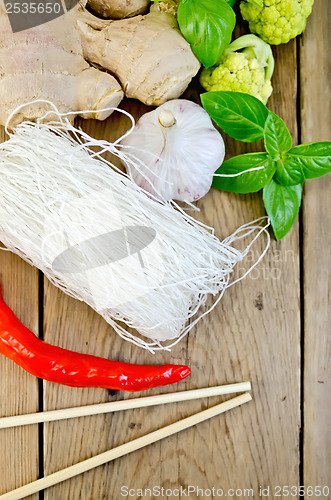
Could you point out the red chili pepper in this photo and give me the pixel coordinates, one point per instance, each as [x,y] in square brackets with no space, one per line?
[66,367]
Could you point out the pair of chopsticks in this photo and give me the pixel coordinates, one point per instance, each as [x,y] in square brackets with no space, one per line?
[131,446]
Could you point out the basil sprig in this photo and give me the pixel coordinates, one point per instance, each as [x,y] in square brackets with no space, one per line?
[237,114]
[207,25]
[277,138]
[261,171]
[282,204]
[284,168]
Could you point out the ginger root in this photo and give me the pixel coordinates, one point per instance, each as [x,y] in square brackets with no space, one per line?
[46,62]
[57,61]
[118,9]
[152,60]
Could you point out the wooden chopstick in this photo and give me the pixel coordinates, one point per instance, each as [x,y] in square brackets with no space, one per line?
[82,411]
[124,449]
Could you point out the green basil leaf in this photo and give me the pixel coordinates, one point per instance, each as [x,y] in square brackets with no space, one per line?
[288,171]
[207,25]
[241,116]
[282,204]
[314,158]
[249,182]
[277,138]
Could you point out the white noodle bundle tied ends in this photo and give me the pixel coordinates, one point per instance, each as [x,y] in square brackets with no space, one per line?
[101,239]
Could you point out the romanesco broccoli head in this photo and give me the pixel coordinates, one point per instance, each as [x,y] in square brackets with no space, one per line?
[246,66]
[276,21]
[169,6]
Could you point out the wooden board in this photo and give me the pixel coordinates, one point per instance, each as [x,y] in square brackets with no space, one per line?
[19,457]
[255,333]
[316,125]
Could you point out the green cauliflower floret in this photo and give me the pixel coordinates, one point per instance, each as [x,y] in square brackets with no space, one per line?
[169,6]
[276,21]
[246,66]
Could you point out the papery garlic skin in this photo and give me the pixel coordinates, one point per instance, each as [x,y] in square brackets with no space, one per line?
[173,151]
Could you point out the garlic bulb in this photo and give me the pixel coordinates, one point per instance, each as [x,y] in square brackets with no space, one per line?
[173,151]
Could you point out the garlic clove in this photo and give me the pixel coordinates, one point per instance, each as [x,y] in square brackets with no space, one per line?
[173,151]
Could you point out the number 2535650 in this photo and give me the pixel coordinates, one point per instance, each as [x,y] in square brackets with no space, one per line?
[301,491]
[33,8]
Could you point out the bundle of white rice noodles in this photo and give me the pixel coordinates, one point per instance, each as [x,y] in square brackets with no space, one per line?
[101,239]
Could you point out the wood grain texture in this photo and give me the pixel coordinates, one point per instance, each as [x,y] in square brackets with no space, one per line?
[254,334]
[257,318]
[74,325]
[18,389]
[315,65]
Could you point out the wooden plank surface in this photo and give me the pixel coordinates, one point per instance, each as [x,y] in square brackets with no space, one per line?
[315,65]
[237,342]
[253,334]
[19,457]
